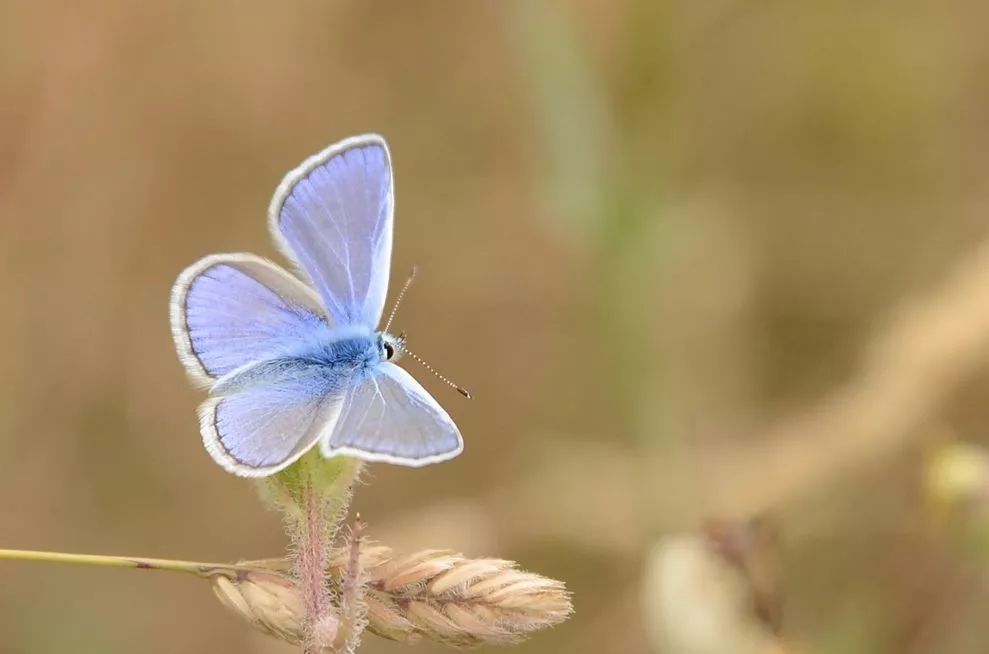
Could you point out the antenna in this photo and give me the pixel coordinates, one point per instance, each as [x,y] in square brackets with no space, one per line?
[400,344]
[401,294]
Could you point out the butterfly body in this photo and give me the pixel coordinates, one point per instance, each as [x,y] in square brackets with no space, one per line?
[293,362]
[332,361]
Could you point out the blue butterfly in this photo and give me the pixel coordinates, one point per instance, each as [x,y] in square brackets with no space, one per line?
[292,363]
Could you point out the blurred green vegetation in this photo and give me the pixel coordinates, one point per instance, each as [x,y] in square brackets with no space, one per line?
[695,261]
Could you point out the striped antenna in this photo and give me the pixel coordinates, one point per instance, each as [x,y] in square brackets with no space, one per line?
[400,344]
[401,294]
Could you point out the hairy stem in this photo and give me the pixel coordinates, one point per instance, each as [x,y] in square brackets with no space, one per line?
[353,609]
[311,559]
[313,494]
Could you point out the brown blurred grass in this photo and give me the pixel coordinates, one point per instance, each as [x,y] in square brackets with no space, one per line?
[645,231]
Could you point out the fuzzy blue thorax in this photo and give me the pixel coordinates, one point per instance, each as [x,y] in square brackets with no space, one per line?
[330,361]
[352,353]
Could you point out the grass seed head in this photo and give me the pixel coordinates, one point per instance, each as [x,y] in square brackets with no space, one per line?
[434,594]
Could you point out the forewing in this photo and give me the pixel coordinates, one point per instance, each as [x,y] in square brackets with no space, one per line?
[271,421]
[333,216]
[230,310]
[388,416]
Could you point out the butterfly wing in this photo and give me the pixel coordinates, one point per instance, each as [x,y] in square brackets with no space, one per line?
[388,416]
[230,310]
[269,415]
[333,216]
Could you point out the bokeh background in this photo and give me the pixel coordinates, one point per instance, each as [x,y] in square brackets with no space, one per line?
[716,272]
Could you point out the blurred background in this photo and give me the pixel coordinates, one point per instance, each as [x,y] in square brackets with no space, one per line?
[717,274]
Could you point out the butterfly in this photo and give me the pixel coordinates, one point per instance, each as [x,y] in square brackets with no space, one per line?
[292,362]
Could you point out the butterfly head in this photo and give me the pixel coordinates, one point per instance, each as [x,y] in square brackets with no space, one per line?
[390,347]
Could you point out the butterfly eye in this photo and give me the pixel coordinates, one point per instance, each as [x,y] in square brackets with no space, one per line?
[389,351]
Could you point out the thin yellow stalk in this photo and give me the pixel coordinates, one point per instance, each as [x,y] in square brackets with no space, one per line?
[197,568]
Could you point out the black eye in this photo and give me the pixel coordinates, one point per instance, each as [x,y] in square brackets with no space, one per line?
[389,351]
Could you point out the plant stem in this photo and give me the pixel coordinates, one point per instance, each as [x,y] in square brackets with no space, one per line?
[353,609]
[311,561]
[196,568]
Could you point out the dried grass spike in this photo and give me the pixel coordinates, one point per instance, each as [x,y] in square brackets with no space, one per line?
[269,601]
[465,602]
[434,594]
